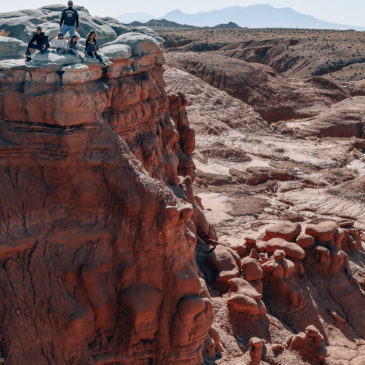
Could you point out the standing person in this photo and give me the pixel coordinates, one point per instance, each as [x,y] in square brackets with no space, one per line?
[69,20]
[39,41]
[92,46]
[60,44]
[74,47]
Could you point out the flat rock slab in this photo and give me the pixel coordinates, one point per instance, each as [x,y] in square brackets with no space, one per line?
[50,57]
[290,248]
[117,51]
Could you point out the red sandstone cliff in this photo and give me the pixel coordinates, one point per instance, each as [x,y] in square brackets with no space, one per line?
[97,254]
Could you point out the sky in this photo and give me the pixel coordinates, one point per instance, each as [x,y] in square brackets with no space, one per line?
[350,12]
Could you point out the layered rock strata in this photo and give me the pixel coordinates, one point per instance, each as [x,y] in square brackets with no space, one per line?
[97,254]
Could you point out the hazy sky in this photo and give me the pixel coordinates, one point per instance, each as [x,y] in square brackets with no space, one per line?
[351,12]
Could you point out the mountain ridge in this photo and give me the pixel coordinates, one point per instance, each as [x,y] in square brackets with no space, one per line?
[253,16]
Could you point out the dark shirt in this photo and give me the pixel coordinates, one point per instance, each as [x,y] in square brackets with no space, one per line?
[74,45]
[95,43]
[70,17]
[40,39]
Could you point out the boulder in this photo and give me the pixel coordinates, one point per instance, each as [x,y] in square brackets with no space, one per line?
[251,269]
[305,240]
[322,232]
[140,44]
[241,286]
[243,304]
[117,51]
[291,249]
[11,48]
[51,57]
[224,262]
[286,230]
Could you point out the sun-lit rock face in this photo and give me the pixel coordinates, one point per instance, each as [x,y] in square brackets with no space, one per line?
[21,24]
[97,254]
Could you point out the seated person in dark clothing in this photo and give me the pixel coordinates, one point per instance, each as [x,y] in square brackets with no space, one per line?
[91,46]
[39,41]
[74,47]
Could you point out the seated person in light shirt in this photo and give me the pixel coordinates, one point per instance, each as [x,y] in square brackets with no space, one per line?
[60,44]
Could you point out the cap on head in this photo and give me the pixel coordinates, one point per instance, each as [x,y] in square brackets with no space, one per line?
[70,2]
[38,28]
[59,35]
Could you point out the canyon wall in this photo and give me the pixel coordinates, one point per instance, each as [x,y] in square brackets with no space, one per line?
[97,253]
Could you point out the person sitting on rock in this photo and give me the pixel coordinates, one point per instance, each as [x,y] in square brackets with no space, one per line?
[39,41]
[60,44]
[69,20]
[92,46]
[74,47]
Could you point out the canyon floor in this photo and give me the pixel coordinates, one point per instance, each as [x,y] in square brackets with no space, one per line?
[279,120]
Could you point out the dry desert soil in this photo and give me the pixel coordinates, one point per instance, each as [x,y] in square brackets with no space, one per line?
[279,119]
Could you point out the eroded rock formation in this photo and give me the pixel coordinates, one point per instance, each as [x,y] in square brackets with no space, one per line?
[272,96]
[97,253]
[102,228]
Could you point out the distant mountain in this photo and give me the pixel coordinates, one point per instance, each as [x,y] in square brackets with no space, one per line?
[229,25]
[161,23]
[255,16]
[134,17]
